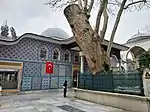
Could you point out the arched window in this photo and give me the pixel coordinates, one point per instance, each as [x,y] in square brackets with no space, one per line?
[67,56]
[113,61]
[56,54]
[43,52]
[76,58]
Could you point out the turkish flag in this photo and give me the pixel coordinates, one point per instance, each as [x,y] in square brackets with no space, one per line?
[49,67]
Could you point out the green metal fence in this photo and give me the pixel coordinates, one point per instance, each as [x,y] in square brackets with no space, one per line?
[127,83]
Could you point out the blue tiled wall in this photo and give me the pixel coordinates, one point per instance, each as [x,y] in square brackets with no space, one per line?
[34,77]
[28,49]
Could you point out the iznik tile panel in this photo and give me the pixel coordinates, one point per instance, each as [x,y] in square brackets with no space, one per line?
[43,69]
[69,81]
[32,69]
[61,70]
[46,82]
[68,70]
[28,49]
[56,69]
[26,83]
[36,83]
[61,81]
[54,82]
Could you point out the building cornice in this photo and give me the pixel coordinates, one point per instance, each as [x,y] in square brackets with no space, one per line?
[53,40]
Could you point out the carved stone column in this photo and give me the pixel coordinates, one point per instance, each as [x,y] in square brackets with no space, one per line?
[82,62]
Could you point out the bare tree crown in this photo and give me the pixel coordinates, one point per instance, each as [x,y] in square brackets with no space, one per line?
[81,12]
[105,7]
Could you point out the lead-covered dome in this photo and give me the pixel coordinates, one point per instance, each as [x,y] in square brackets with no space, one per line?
[55,33]
[138,37]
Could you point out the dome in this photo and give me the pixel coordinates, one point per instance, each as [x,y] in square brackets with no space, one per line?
[138,36]
[55,33]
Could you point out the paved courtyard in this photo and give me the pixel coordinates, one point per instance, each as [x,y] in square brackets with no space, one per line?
[50,102]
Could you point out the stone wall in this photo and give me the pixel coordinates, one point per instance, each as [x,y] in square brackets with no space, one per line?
[122,101]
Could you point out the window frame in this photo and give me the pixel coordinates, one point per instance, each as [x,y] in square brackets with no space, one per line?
[69,54]
[56,49]
[46,53]
[75,58]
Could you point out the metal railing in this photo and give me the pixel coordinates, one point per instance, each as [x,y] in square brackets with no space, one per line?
[126,83]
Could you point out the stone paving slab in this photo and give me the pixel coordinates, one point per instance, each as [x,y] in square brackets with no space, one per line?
[50,102]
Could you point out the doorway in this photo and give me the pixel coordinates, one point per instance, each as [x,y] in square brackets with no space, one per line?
[75,77]
[75,71]
[8,79]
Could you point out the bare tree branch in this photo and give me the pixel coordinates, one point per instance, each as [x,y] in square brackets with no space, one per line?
[55,3]
[122,7]
[52,3]
[141,1]
[85,5]
[115,26]
[68,2]
[147,5]
[80,4]
[90,6]
[103,32]
[147,28]
[112,3]
[98,19]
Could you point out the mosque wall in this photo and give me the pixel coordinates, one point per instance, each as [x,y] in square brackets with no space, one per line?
[137,44]
[33,73]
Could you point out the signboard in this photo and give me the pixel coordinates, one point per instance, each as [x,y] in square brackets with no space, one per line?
[49,67]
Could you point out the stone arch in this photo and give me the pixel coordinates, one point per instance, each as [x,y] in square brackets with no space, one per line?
[135,52]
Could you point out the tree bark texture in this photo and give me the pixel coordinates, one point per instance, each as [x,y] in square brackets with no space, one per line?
[87,39]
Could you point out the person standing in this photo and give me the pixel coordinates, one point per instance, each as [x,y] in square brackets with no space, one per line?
[65,88]
[75,83]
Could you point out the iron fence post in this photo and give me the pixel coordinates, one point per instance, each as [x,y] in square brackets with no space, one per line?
[78,80]
[113,83]
[92,83]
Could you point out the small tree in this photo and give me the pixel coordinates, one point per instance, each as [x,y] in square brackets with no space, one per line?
[89,39]
[144,60]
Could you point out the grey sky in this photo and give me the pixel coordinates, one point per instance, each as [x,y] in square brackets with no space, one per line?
[33,16]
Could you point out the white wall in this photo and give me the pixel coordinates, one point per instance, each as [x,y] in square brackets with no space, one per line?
[145,44]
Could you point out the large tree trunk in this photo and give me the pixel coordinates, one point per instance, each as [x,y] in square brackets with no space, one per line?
[88,41]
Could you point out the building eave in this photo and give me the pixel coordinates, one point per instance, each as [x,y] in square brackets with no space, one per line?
[116,45]
[54,40]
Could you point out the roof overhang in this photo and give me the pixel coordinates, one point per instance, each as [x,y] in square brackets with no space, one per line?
[72,44]
[70,41]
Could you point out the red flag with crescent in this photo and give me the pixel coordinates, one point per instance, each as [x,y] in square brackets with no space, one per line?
[49,67]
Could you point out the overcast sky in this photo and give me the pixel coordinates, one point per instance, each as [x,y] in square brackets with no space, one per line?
[34,17]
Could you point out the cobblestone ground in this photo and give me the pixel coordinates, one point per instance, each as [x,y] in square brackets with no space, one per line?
[50,102]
